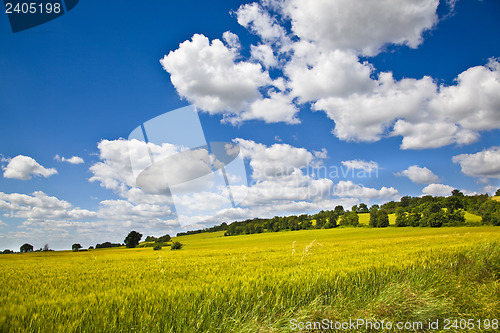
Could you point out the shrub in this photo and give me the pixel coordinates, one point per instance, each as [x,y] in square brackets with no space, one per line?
[176,246]
[157,247]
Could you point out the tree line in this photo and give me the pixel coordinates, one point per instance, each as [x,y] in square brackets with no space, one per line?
[132,240]
[425,211]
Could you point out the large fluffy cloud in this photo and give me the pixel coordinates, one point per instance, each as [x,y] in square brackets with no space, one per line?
[424,114]
[350,189]
[474,102]
[253,17]
[273,161]
[318,57]
[207,74]
[24,167]
[485,164]
[40,206]
[315,74]
[361,25]
[419,175]
[437,190]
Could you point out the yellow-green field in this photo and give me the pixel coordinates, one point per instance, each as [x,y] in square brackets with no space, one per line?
[257,283]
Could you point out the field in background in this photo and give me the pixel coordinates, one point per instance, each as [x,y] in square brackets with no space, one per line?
[257,283]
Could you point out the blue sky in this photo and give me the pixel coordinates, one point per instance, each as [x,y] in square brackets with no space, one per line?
[410,91]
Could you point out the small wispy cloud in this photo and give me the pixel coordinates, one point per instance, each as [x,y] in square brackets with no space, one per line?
[71,160]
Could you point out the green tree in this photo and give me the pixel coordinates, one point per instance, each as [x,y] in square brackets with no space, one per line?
[320,222]
[401,217]
[363,208]
[339,210]
[453,203]
[373,216]
[405,201]
[382,219]
[497,194]
[455,217]
[294,224]
[75,247]
[491,218]
[176,246]
[436,220]
[351,219]
[414,219]
[164,238]
[332,219]
[132,239]
[26,248]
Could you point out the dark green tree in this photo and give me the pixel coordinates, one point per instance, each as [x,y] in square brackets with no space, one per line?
[350,219]
[332,219]
[436,220]
[75,247]
[320,222]
[26,248]
[453,203]
[405,201]
[132,239]
[339,210]
[382,219]
[390,207]
[176,246]
[401,217]
[414,219]
[373,216]
[363,208]
[164,238]
[497,194]
[456,217]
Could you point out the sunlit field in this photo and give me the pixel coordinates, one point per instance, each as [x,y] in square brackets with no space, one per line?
[257,283]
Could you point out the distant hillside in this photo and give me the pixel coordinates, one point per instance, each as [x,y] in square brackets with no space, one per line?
[427,211]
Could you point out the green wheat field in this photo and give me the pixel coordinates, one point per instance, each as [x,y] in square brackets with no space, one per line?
[257,283]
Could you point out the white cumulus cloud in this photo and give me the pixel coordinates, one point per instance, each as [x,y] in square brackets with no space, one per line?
[24,168]
[360,165]
[40,206]
[207,74]
[352,190]
[365,26]
[485,164]
[71,160]
[277,160]
[419,175]
[438,190]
